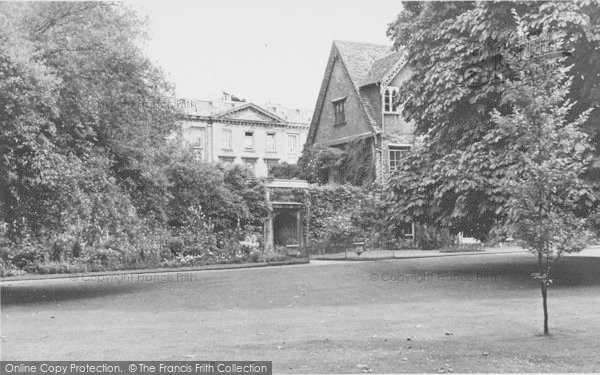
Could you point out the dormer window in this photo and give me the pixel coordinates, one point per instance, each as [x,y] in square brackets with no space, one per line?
[338,111]
[390,97]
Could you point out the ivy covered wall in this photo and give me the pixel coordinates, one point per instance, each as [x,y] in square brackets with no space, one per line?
[352,163]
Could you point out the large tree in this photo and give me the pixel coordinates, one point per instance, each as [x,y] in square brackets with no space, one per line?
[459,53]
[503,143]
[80,107]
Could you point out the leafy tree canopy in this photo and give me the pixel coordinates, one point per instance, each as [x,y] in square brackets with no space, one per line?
[77,94]
[464,58]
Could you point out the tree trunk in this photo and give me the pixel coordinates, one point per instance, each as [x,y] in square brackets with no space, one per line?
[544,288]
[544,295]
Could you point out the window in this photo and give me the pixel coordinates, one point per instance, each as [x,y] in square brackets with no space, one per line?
[389,100]
[292,144]
[227,139]
[408,230]
[197,136]
[249,140]
[271,142]
[198,154]
[338,111]
[250,165]
[395,156]
[270,164]
[227,160]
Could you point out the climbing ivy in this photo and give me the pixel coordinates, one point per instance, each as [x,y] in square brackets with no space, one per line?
[354,161]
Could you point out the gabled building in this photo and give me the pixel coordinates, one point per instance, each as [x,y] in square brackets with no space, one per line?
[257,136]
[356,102]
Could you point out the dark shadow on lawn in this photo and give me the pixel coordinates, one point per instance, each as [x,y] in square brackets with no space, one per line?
[22,294]
[577,271]
[568,272]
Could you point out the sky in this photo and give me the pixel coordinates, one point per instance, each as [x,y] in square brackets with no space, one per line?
[260,50]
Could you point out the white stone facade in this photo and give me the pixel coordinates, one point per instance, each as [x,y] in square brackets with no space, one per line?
[244,133]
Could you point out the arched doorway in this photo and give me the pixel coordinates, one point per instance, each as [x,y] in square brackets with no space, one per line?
[285,229]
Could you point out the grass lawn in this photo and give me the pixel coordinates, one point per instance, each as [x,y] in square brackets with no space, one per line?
[454,314]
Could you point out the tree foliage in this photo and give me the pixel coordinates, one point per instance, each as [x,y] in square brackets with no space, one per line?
[549,202]
[284,170]
[463,58]
[508,151]
[352,163]
[77,117]
[87,172]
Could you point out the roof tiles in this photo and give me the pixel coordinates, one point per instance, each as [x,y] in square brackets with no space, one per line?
[359,57]
[380,68]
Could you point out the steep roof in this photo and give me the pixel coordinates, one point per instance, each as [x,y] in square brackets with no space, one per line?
[364,62]
[359,57]
[380,68]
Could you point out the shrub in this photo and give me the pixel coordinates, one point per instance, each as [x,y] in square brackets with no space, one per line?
[468,247]
[284,170]
[59,267]
[102,258]
[250,244]
[175,244]
[9,269]
[329,201]
[25,254]
[273,257]
[428,237]
[254,257]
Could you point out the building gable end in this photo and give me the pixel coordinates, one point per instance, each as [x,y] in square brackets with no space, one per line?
[393,72]
[336,57]
[250,112]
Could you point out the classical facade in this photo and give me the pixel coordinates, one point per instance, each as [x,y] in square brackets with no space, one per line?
[357,102]
[256,136]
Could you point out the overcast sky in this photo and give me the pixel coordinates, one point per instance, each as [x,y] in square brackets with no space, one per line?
[261,50]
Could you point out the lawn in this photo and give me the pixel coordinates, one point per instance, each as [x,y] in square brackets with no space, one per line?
[452,314]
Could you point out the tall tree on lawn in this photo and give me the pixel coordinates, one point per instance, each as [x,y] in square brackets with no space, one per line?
[506,140]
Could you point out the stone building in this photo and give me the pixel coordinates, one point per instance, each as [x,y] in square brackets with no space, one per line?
[244,133]
[356,102]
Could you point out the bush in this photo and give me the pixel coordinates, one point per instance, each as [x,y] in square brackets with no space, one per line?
[254,257]
[25,254]
[329,201]
[428,237]
[59,267]
[468,247]
[175,244]
[9,269]
[273,257]
[103,258]
[250,244]
[284,170]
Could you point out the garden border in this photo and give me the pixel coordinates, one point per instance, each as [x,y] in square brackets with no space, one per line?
[212,267]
